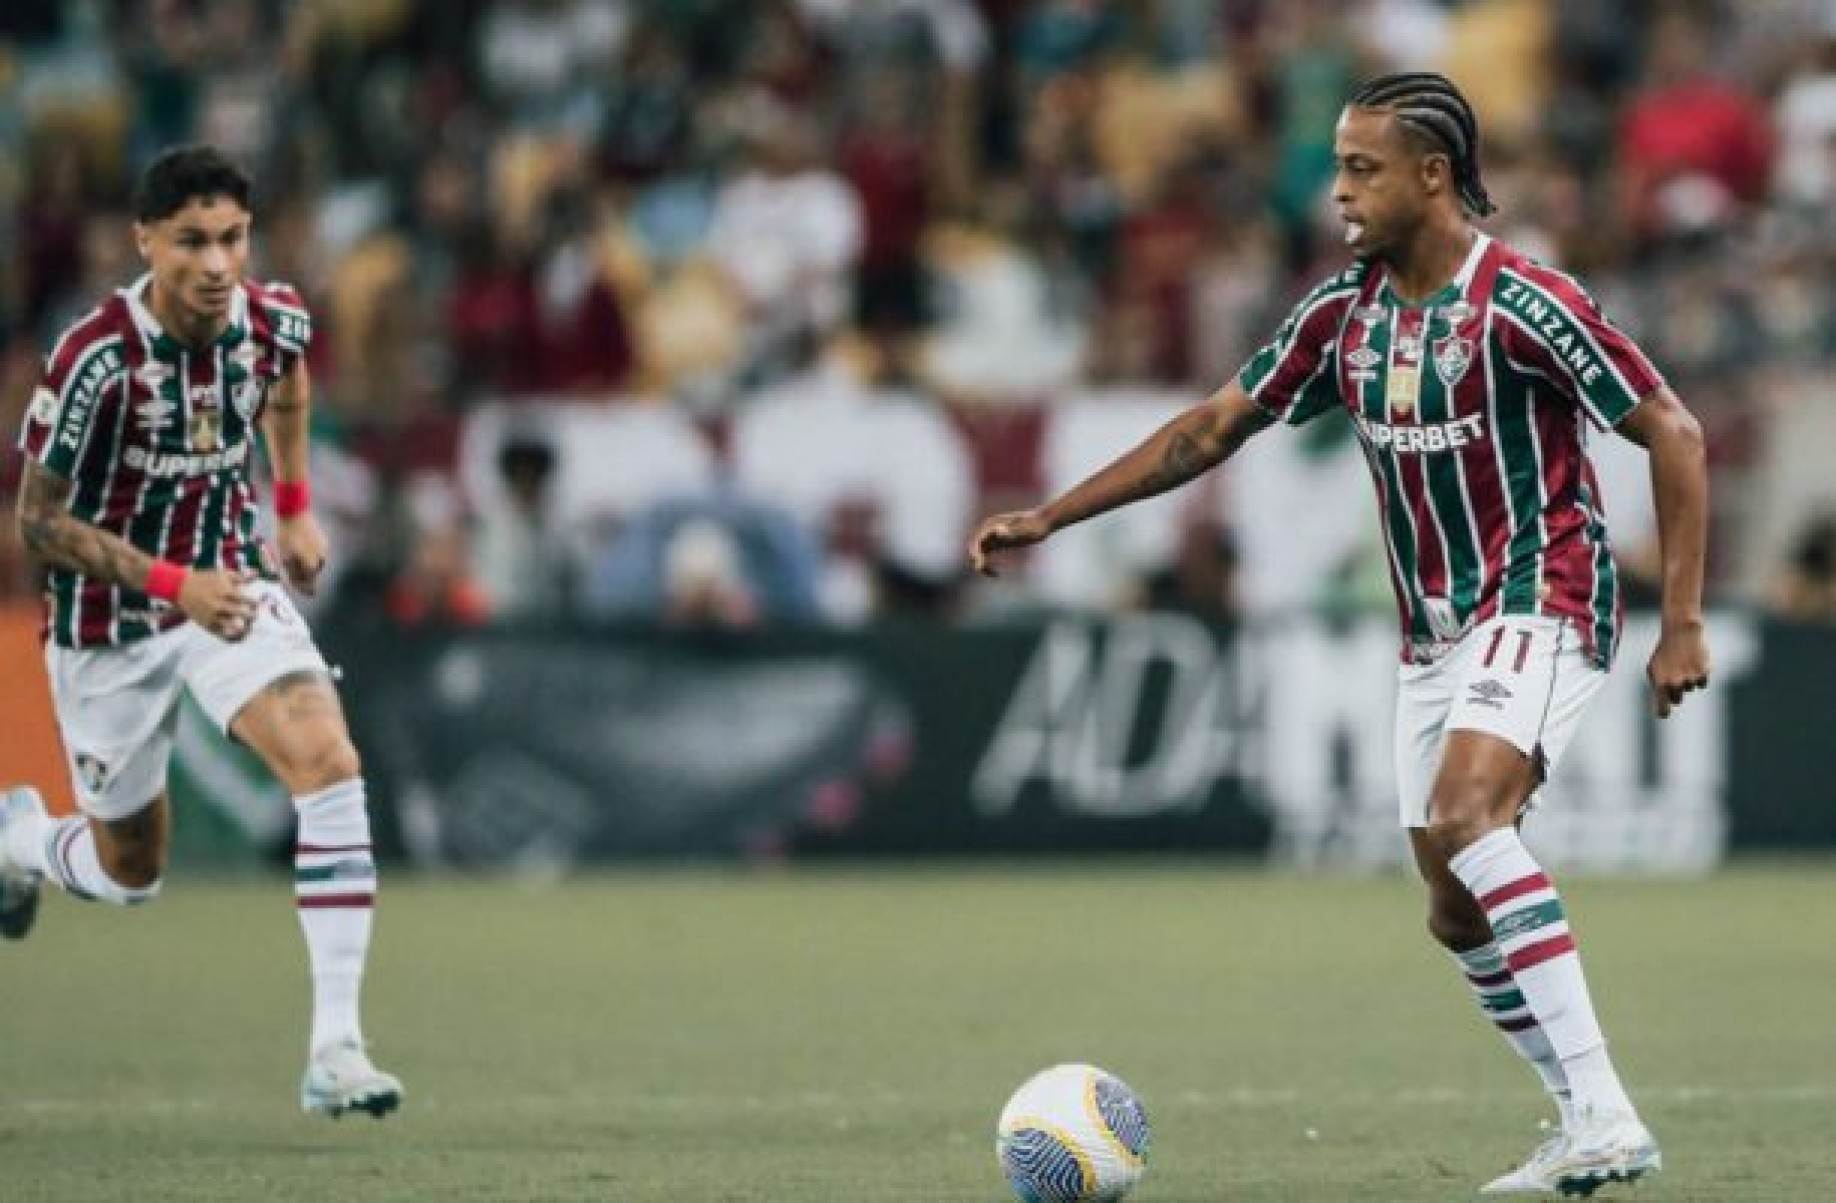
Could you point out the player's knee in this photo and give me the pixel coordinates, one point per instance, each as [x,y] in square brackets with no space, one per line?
[325,763]
[1464,811]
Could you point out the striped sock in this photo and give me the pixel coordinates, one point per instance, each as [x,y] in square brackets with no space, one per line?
[1503,1005]
[69,858]
[335,887]
[1530,930]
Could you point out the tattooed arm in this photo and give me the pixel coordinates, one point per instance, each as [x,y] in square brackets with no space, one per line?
[214,600]
[55,537]
[1192,443]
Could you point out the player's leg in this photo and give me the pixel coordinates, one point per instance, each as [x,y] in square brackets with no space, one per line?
[115,710]
[1425,697]
[273,692]
[1518,706]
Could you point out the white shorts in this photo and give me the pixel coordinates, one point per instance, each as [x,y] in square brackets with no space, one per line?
[117,706]
[1526,680]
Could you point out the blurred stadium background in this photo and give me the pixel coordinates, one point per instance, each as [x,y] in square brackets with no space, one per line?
[667,350]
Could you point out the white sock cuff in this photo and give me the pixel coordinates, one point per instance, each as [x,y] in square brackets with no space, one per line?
[1472,860]
[335,817]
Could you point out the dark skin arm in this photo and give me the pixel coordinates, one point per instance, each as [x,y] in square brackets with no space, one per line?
[214,600]
[1679,483]
[1186,447]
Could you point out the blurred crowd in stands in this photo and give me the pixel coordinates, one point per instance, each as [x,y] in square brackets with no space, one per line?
[742,311]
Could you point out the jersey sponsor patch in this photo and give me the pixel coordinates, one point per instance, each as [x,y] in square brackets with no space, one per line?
[1410,439]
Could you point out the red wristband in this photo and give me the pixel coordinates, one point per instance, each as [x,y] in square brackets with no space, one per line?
[291,498]
[165,579]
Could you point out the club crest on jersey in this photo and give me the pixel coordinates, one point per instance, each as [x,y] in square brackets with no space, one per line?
[1453,355]
[246,397]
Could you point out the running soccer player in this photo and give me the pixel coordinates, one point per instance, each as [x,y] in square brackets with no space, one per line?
[1471,374]
[136,498]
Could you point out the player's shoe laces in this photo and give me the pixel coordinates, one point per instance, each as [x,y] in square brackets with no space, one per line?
[1599,1148]
[340,1078]
[18,884]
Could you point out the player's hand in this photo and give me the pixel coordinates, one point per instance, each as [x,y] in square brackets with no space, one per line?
[1679,665]
[1022,528]
[302,548]
[219,602]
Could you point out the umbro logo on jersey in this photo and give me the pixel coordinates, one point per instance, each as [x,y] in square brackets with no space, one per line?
[44,406]
[1363,357]
[152,374]
[155,413]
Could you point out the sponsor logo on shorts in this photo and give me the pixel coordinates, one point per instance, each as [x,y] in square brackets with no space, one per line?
[1489,693]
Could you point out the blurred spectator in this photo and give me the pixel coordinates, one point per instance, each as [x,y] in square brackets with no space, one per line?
[1201,579]
[1694,149]
[520,555]
[721,558]
[434,584]
[1806,590]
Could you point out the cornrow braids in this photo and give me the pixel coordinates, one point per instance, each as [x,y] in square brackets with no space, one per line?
[1431,106]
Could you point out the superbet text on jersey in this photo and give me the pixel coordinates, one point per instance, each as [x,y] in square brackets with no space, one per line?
[1471,408]
[156,437]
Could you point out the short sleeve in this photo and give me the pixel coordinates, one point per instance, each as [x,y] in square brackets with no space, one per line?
[1562,330]
[289,321]
[1293,376]
[69,401]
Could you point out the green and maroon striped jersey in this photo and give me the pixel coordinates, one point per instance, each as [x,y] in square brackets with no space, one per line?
[1472,409]
[156,438]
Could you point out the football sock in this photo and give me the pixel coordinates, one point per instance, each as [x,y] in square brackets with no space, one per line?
[1531,931]
[1503,1004]
[335,887]
[67,855]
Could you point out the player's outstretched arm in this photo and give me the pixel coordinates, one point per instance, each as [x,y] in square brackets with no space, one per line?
[211,599]
[1192,443]
[1679,483]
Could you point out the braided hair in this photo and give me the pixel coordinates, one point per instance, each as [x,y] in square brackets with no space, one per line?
[1432,107]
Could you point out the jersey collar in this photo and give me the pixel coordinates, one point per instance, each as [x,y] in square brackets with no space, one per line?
[1455,289]
[164,345]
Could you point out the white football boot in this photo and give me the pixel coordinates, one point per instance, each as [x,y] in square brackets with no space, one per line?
[1598,1149]
[1533,1176]
[19,886]
[340,1078]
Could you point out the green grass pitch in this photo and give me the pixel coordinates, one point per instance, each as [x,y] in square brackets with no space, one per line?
[851,1034]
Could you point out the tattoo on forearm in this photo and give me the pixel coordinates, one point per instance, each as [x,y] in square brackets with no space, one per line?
[1184,459]
[55,537]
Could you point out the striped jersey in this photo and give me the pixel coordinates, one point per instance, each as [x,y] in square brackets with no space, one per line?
[156,437]
[1472,410]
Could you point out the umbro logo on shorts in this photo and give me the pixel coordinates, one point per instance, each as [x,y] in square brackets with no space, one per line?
[1490,693]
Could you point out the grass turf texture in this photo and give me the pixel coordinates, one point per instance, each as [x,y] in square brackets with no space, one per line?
[851,1035]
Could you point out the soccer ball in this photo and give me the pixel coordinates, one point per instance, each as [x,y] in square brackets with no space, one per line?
[1072,1134]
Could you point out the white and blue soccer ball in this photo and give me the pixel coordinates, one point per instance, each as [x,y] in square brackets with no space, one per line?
[1073,1134]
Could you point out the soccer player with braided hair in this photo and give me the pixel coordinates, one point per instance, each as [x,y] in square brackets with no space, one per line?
[1474,377]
